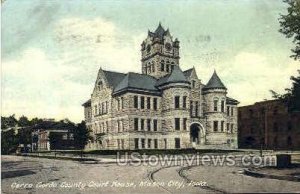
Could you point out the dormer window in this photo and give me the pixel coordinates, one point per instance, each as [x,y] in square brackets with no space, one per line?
[100,85]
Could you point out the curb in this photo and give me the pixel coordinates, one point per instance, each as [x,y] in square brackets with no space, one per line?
[270,176]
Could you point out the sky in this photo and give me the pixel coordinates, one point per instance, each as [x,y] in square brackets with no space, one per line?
[52,50]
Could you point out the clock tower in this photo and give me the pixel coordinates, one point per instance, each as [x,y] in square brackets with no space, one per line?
[160,53]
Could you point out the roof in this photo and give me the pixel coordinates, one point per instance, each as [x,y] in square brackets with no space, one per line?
[187,73]
[137,81]
[231,101]
[87,103]
[176,76]
[159,32]
[114,78]
[214,83]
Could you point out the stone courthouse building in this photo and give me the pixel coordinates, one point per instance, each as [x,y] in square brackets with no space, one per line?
[161,108]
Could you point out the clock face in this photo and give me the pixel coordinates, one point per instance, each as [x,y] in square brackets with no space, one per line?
[168,46]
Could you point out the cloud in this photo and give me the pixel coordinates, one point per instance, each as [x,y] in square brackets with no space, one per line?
[55,84]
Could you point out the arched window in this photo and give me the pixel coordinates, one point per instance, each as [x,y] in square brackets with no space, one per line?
[216,104]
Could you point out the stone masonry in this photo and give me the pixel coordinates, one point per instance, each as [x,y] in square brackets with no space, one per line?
[162,108]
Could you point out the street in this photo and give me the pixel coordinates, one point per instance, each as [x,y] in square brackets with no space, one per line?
[39,175]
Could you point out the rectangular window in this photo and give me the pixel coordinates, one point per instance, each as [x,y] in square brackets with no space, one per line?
[136,124]
[228,110]
[155,125]
[142,124]
[177,143]
[167,68]
[136,143]
[166,143]
[215,105]
[193,83]
[177,123]
[215,125]
[142,102]
[222,125]
[135,101]
[231,111]
[155,103]
[228,127]
[118,103]
[176,103]
[162,67]
[155,143]
[222,106]
[122,104]
[196,109]
[106,107]
[149,143]
[143,143]
[149,124]
[184,102]
[231,128]
[184,123]
[148,102]
[191,108]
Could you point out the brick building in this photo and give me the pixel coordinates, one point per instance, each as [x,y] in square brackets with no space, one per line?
[269,125]
[161,108]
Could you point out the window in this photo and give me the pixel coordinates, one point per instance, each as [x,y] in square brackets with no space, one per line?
[155,143]
[136,143]
[107,107]
[191,108]
[275,111]
[155,103]
[275,126]
[177,142]
[95,109]
[177,123]
[215,125]
[168,68]
[142,124]
[136,124]
[231,111]
[184,123]
[222,125]
[149,124]
[289,141]
[153,68]
[142,102]
[228,110]
[196,109]
[289,126]
[227,127]
[162,66]
[143,143]
[122,104]
[149,143]
[135,101]
[148,102]
[232,128]
[155,125]
[177,98]
[193,83]
[166,143]
[107,125]
[222,106]
[184,102]
[215,104]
